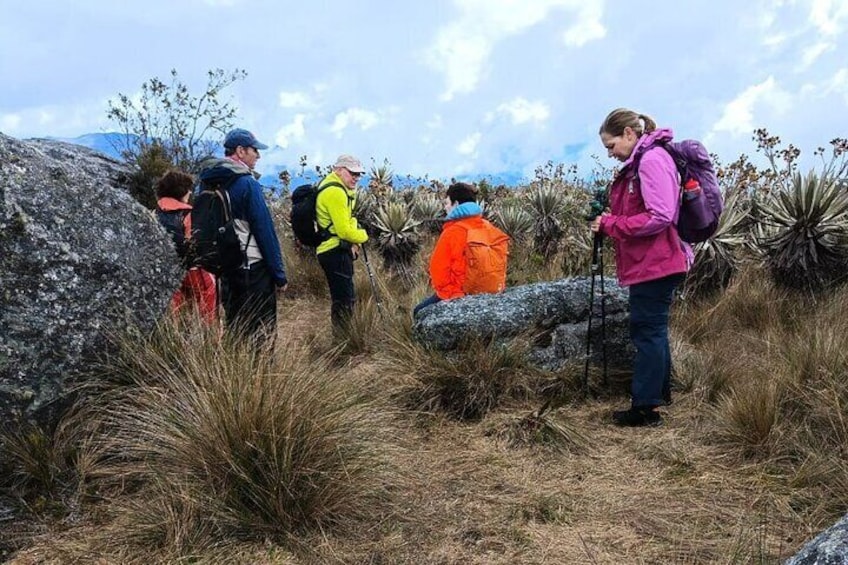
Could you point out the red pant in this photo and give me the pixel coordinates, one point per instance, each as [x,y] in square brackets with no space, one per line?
[197,291]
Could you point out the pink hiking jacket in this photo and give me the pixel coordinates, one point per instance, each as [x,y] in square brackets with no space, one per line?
[644,210]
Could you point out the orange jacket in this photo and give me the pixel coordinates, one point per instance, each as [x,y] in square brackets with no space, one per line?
[168,204]
[448,264]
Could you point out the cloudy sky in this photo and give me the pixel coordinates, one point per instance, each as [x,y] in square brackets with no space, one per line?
[441,87]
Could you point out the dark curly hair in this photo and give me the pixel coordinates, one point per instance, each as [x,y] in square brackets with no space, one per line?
[462,192]
[174,184]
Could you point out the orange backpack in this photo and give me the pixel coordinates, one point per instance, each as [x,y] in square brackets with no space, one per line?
[486,252]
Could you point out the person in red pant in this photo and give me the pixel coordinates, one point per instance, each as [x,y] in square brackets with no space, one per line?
[173,211]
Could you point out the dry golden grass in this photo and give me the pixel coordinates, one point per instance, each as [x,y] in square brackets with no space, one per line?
[466,383]
[750,463]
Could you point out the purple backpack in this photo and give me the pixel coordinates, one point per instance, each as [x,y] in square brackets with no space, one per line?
[698,219]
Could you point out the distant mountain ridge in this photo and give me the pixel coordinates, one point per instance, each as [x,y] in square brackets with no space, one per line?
[107,143]
[110,143]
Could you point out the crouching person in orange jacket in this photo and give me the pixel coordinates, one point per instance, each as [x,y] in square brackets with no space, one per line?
[470,256]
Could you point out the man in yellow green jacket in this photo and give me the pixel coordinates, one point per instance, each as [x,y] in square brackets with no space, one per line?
[334,211]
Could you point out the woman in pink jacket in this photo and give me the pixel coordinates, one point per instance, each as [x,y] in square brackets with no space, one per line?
[650,258]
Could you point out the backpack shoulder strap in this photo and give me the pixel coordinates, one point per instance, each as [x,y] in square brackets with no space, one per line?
[222,191]
[320,187]
[678,160]
[318,190]
[185,215]
[677,157]
[225,184]
[329,184]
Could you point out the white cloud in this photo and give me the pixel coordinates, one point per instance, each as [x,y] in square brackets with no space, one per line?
[811,54]
[738,116]
[836,84]
[520,110]
[461,60]
[45,116]
[436,122]
[432,127]
[588,26]
[295,100]
[365,119]
[58,121]
[827,16]
[775,40]
[840,79]
[295,131]
[462,48]
[520,60]
[468,146]
[781,24]
[9,123]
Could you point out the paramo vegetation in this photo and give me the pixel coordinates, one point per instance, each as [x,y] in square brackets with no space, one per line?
[186,447]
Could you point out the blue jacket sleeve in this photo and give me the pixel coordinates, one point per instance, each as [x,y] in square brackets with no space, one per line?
[262,227]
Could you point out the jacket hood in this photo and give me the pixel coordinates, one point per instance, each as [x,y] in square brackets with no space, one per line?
[168,204]
[465,210]
[223,168]
[656,137]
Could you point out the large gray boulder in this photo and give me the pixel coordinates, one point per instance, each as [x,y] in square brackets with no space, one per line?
[828,548]
[79,260]
[557,311]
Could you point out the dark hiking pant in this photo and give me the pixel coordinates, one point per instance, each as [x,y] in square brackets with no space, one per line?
[429,301]
[338,268]
[649,306]
[250,302]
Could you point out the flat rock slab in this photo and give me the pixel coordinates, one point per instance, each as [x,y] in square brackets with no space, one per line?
[558,310]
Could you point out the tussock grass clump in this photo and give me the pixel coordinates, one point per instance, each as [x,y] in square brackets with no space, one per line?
[361,332]
[748,415]
[751,304]
[232,441]
[817,353]
[373,325]
[466,383]
[710,371]
[552,430]
[771,363]
[49,471]
[176,519]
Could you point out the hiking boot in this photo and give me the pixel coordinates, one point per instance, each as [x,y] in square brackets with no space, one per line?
[636,417]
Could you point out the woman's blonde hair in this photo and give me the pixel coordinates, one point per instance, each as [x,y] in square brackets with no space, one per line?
[621,118]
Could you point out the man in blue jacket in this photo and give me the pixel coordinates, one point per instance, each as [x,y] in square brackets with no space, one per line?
[249,295]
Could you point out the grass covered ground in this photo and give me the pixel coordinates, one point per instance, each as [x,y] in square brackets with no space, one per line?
[189,449]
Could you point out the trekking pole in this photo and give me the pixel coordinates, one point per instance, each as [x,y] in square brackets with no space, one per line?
[603,308]
[596,255]
[374,289]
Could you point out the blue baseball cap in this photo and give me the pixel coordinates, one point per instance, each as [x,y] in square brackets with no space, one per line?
[242,138]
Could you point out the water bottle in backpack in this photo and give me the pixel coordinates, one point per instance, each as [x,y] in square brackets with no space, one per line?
[691,190]
[701,203]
